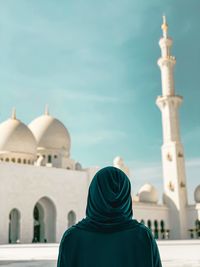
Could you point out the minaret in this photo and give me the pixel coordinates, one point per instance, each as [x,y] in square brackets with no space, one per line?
[175,193]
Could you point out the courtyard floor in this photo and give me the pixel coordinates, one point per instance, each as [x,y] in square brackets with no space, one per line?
[53,264]
[185,253]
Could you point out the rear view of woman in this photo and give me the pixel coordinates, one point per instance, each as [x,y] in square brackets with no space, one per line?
[108,236]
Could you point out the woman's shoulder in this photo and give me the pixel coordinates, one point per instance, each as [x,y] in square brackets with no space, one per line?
[75,230]
[68,234]
[144,229]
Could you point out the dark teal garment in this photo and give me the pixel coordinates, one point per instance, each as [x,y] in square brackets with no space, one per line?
[108,236]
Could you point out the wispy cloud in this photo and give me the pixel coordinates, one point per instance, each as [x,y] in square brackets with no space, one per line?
[84,96]
[92,138]
[194,162]
[194,133]
[146,171]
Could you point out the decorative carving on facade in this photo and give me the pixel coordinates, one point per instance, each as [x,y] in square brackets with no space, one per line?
[180,155]
[182,184]
[169,157]
[171,186]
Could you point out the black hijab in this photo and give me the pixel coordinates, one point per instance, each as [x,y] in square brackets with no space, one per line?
[109,203]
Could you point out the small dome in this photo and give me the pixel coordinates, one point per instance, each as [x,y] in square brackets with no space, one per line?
[118,161]
[50,133]
[16,137]
[148,193]
[197,194]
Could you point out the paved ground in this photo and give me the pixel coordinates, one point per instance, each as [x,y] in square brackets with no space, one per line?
[28,263]
[181,264]
[53,264]
[181,253]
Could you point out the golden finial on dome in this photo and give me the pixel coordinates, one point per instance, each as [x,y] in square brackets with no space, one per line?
[46,112]
[13,114]
[164,26]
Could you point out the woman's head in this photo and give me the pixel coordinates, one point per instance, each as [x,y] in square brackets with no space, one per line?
[109,197]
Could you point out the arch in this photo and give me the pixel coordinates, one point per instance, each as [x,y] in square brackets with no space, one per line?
[162,229]
[142,221]
[71,218]
[197,228]
[14,226]
[44,221]
[162,225]
[155,229]
[24,161]
[13,160]
[19,160]
[49,159]
[38,228]
[191,232]
[149,224]
[7,159]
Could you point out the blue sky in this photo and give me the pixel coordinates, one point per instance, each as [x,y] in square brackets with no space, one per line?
[94,64]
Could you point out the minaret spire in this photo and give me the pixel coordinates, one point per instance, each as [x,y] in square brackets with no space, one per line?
[166,62]
[174,177]
[164,27]
[46,112]
[13,114]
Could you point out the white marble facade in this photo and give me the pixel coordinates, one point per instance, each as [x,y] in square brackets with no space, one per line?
[44,191]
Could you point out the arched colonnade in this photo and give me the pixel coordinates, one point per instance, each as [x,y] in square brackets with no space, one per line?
[44,222]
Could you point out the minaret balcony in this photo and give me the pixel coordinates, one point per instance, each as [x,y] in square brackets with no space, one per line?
[172,101]
[169,61]
[163,42]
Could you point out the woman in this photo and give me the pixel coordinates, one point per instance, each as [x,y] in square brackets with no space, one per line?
[108,236]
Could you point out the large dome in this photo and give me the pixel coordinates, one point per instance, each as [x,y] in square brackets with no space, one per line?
[50,133]
[148,193]
[197,194]
[16,137]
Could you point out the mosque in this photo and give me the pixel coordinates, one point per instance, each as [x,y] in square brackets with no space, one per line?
[43,190]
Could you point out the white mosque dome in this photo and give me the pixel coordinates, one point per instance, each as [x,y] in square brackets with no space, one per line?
[50,133]
[197,194]
[148,193]
[16,137]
